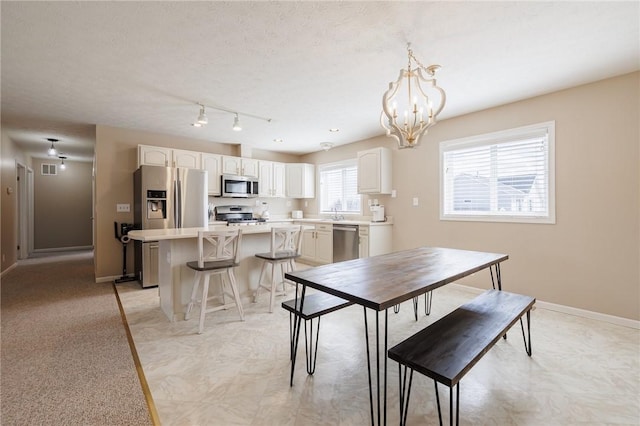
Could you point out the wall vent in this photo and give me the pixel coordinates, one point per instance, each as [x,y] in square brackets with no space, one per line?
[49,169]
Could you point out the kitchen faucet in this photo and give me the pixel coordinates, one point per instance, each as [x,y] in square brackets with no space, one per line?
[335,215]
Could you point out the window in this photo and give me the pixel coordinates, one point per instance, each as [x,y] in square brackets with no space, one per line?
[339,187]
[505,176]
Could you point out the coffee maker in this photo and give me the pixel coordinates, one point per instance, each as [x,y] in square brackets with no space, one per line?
[377,213]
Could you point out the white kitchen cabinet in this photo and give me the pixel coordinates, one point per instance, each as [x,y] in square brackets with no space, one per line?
[154,156]
[212,163]
[271,179]
[188,159]
[239,166]
[374,171]
[374,240]
[300,179]
[167,157]
[317,244]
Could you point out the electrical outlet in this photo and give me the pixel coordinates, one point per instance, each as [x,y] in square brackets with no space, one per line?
[393,193]
[288,203]
[123,208]
[415,202]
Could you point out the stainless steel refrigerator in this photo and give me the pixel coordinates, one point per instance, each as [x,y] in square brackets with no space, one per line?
[165,197]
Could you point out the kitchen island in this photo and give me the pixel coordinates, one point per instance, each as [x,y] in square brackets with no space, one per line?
[179,246]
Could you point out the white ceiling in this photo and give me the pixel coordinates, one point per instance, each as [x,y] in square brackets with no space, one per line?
[310,66]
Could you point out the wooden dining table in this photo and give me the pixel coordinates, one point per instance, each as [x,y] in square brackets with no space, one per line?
[382,282]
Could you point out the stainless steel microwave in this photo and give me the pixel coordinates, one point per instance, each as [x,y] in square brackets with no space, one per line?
[239,186]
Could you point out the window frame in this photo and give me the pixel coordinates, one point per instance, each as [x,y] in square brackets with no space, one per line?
[351,162]
[494,138]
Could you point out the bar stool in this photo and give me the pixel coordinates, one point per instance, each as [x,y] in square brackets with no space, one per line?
[218,254]
[286,246]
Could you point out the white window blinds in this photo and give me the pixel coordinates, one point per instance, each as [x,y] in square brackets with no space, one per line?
[339,188]
[504,176]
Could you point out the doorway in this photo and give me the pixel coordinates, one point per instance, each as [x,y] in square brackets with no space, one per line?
[24,213]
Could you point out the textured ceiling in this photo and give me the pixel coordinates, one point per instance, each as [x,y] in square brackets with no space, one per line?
[310,66]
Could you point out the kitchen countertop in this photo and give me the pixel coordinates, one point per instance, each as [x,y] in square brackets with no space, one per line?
[148,235]
[333,222]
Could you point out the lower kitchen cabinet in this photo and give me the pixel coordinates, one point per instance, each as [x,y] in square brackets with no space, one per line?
[317,245]
[374,240]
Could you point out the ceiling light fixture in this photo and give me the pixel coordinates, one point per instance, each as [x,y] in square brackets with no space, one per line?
[52,150]
[326,146]
[62,165]
[202,119]
[236,124]
[417,101]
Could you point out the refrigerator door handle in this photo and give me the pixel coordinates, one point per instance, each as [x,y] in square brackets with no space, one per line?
[177,204]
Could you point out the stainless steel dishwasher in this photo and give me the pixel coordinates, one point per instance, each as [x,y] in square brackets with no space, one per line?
[345,242]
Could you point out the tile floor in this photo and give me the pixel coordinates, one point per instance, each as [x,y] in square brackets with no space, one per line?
[237,373]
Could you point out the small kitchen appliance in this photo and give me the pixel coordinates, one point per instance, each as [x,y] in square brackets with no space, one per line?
[377,213]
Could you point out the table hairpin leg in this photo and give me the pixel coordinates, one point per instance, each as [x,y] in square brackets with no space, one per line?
[296,330]
[428,298]
[381,403]
[498,278]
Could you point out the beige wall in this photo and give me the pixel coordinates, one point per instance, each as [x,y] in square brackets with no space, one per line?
[11,155]
[62,206]
[589,259]
[116,160]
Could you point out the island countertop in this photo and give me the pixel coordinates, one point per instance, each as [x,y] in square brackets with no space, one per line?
[148,235]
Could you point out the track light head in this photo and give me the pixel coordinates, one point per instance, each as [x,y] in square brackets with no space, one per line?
[236,124]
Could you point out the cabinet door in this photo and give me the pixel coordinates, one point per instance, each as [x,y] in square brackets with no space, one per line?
[265,179]
[368,172]
[308,245]
[154,156]
[231,165]
[249,167]
[278,177]
[324,247]
[363,251]
[212,163]
[188,159]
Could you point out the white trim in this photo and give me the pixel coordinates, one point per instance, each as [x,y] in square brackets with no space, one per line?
[3,273]
[569,310]
[74,248]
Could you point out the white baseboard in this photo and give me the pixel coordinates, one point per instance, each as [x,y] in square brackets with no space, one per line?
[8,269]
[569,310]
[75,248]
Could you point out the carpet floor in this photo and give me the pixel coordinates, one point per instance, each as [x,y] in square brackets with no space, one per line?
[65,357]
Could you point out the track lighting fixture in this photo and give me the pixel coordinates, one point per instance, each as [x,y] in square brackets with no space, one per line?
[202,119]
[52,150]
[236,124]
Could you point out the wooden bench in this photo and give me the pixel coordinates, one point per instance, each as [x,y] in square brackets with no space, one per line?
[315,305]
[447,349]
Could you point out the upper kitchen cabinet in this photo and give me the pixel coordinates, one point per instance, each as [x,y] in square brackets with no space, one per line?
[167,157]
[212,163]
[271,179]
[300,180]
[154,156]
[374,171]
[188,159]
[239,166]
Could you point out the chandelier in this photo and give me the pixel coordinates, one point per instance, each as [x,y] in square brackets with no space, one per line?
[422,101]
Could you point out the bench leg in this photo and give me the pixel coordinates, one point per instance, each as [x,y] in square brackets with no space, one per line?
[498,277]
[404,391]
[527,339]
[311,350]
[457,386]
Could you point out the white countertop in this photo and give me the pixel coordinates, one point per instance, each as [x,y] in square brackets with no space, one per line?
[148,235]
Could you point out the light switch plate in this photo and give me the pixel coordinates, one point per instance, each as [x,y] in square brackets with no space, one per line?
[123,208]
[415,202]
